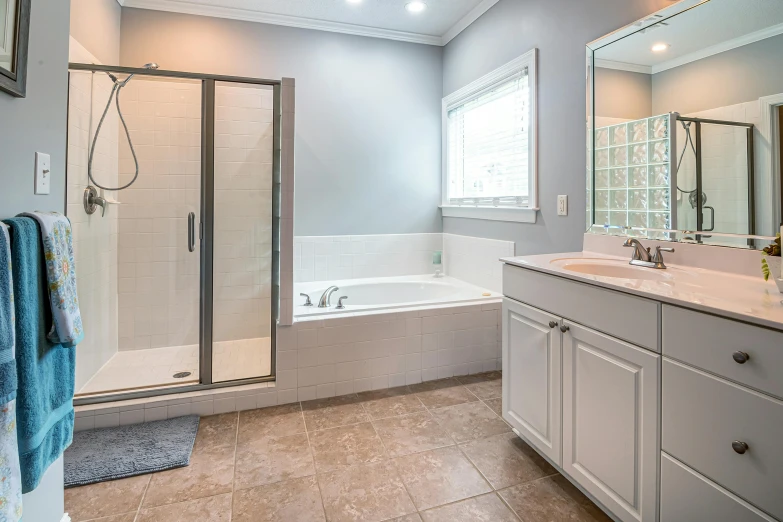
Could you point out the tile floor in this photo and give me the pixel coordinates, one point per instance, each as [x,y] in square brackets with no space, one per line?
[132,369]
[431,452]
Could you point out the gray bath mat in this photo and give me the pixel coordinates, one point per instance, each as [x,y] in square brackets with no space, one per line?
[114,453]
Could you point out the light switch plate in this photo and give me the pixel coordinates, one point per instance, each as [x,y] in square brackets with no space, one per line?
[43,173]
[562,205]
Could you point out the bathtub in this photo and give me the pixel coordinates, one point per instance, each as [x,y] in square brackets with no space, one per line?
[389,293]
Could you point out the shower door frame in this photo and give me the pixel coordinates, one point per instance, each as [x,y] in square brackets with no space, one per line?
[207,229]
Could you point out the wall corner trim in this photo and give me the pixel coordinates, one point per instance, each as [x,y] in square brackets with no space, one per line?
[466,20]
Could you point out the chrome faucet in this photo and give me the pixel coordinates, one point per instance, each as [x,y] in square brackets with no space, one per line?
[641,256]
[324,301]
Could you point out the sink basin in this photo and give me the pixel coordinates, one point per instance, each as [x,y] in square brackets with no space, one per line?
[611,268]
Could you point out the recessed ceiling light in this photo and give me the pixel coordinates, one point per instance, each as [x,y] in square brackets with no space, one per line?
[659,47]
[416,6]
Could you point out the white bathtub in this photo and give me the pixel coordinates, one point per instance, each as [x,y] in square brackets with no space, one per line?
[381,293]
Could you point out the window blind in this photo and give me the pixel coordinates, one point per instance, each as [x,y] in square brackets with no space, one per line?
[488,146]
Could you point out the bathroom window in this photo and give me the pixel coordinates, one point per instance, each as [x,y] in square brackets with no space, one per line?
[489,147]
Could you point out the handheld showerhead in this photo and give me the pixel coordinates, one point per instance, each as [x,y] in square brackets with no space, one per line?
[151,65]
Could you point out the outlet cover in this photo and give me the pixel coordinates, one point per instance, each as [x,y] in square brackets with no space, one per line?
[43,173]
[562,205]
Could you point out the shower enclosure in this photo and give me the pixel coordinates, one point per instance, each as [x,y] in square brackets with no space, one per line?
[178,271]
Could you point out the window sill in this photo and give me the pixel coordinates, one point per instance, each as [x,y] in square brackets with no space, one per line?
[517,215]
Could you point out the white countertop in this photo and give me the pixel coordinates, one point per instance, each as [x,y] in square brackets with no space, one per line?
[749,299]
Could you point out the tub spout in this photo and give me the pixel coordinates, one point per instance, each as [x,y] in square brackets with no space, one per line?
[324,301]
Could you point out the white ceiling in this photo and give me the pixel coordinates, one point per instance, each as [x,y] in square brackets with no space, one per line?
[707,29]
[436,25]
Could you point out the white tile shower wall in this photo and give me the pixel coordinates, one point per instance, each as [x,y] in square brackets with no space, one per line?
[476,260]
[94,236]
[338,356]
[158,276]
[321,258]
[243,212]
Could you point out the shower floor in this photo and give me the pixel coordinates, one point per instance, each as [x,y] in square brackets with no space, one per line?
[133,369]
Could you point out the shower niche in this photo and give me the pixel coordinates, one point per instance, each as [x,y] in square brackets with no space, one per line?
[178,269]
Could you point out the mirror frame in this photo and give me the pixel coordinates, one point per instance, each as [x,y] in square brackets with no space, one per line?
[15,83]
[590,49]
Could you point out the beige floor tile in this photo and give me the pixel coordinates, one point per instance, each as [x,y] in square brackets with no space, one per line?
[480,377]
[272,459]
[364,493]
[210,509]
[466,422]
[487,389]
[439,477]
[210,473]
[127,517]
[391,402]
[277,421]
[106,498]
[495,405]
[413,517]
[438,384]
[411,434]
[506,460]
[486,508]
[338,448]
[216,430]
[328,413]
[552,498]
[296,500]
[448,396]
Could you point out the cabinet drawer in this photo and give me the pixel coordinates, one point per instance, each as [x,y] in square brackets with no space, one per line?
[686,495]
[709,342]
[627,317]
[703,415]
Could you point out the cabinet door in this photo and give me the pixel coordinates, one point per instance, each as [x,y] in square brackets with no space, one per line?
[610,421]
[531,376]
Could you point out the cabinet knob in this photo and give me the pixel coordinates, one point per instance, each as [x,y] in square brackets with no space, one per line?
[739,446]
[552,324]
[740,357]
[564,328]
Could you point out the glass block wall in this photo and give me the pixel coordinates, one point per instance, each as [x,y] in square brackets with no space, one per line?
[633,173]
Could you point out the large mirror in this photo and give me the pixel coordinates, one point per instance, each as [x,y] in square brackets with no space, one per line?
[685,110]
[14,31]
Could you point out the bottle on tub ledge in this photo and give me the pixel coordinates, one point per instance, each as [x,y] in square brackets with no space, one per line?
[437,262]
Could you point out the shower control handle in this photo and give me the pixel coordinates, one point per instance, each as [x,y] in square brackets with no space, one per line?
[191,232]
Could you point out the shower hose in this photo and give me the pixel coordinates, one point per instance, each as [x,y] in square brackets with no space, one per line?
[115,93]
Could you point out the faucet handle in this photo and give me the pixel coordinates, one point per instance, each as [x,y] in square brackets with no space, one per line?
[340,304]
[657,257]
[307,300]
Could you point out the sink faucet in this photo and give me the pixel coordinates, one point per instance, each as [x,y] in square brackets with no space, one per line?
[324,301]
[641,256]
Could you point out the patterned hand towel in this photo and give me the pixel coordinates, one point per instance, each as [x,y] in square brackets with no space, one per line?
[10,475]
[45,369]
[61,274]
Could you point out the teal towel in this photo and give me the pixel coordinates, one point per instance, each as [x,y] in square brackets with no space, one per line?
[7,337]
[45,370]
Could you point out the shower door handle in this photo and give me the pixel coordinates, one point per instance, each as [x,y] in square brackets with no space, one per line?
[191,232]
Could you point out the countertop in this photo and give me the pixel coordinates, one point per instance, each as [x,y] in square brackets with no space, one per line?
[748,299]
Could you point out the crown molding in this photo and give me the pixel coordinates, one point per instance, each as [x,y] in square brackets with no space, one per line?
[177,6]
[623,66]
[468,19]
[763,34]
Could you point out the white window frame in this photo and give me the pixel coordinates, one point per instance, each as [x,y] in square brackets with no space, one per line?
[525,214]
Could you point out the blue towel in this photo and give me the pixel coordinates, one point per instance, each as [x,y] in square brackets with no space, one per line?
[45,370]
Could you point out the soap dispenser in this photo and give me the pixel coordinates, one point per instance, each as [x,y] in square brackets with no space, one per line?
[437,262]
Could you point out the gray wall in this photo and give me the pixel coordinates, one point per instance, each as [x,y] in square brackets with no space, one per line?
[368,112]
[96,25]
[37,122]
[739,75]
[622,94]
[559,29]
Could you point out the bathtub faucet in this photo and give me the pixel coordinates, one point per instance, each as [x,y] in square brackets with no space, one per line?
[324,301]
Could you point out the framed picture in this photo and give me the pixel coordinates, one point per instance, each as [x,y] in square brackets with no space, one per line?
[14,35]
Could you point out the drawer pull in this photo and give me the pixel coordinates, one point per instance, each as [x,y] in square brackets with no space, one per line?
[552,324]
[739,446]
[564,328]
[740,357]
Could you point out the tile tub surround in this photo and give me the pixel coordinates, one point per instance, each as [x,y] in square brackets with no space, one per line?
[476,260]
[371,456]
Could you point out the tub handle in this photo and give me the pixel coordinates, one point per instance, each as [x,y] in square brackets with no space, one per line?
[340,304]
[307,300]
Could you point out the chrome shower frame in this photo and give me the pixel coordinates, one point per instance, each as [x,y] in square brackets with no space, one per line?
[207,228]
